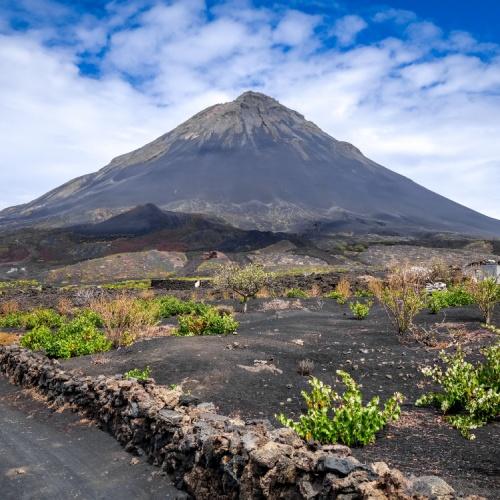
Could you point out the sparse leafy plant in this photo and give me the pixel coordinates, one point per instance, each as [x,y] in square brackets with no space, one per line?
[296,293]
[211,322]
[402,296]
[363,294]
[360,310]
[331,418]
[138,374]
[244,281]
[470,395]
[485,293]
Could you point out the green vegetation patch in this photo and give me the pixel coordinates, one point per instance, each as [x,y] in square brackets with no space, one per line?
[210,322]
[129,285]
[77,337]
[169,306]
[360,310]
[453,297]
[296,293]
[32,319]
[138,374]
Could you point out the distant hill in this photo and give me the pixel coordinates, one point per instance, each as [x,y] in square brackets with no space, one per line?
[141,229]
[257,165]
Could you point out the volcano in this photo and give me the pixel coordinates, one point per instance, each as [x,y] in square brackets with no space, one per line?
[255,164]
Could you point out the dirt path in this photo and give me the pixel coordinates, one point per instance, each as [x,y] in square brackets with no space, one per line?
[59,456]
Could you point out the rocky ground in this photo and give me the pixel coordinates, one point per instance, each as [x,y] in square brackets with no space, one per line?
[254,375]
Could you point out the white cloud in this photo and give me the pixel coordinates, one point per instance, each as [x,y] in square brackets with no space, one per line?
[399,16]
[295,28]
[431,117]
[347,28]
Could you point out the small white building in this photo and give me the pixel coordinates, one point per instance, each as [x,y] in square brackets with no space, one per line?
[484,269]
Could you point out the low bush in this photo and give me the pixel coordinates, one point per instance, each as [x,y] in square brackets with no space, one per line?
[486,294]
[296,293]
[453,297]
[360,310]
[77,337]
[244,281]
[172,306]
[138,374]
[331,418]
[470,394]
[211,322]
[363,294]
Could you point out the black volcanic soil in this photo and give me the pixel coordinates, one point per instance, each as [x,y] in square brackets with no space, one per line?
[420,443]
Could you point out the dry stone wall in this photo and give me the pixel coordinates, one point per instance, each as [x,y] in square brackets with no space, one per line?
[207,454]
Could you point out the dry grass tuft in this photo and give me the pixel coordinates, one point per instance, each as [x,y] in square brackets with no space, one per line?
[64,306]
[344,288]
[9,307]
[126,319]
[305,367]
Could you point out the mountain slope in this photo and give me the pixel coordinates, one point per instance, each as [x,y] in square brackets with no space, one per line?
[256,164]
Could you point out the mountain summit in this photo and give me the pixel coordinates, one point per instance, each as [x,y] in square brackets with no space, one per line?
[256,164]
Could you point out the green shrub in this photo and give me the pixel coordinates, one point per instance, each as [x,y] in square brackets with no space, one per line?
[211,322]
[331,418]
[12,320]
[363,294]
[172,306]
[296,293]
[453,297]
[470,395]
[360,309]
[42,317]
[138,374]
[77,337]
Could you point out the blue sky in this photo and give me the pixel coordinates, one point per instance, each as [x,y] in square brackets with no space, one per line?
[414,84]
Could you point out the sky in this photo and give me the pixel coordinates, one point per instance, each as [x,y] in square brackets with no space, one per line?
[414,84]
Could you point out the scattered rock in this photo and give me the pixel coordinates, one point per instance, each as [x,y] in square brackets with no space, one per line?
[431,487]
